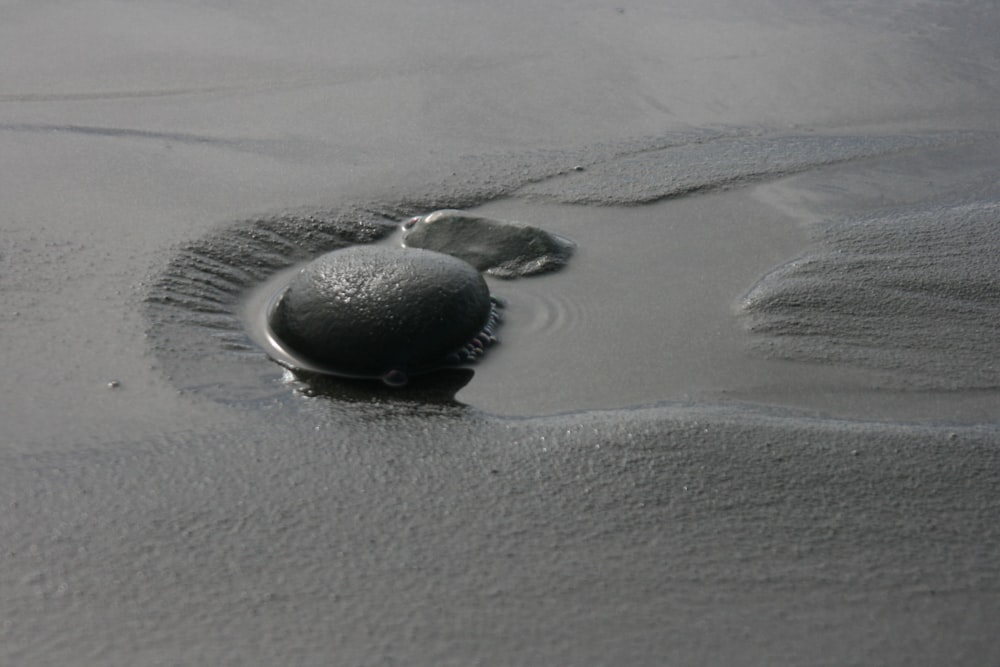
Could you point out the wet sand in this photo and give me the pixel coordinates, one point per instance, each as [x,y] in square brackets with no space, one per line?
[810,477]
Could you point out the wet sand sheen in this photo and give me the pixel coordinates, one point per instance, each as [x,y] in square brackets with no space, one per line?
[610,335]
[201,511]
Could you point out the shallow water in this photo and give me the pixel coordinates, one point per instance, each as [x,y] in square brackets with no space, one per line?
[677,331]
[689,326]
[610,336]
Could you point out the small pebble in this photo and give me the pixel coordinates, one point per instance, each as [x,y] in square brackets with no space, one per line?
[114,384]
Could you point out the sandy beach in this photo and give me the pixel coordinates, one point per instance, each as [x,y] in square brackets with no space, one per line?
[754,420]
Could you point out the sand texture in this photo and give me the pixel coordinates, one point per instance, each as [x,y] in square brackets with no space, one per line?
[754,420]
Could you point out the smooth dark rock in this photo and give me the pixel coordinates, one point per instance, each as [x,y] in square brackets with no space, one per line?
[382,312]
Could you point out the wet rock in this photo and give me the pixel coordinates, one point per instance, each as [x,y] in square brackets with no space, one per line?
[371,311]
[501,249]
